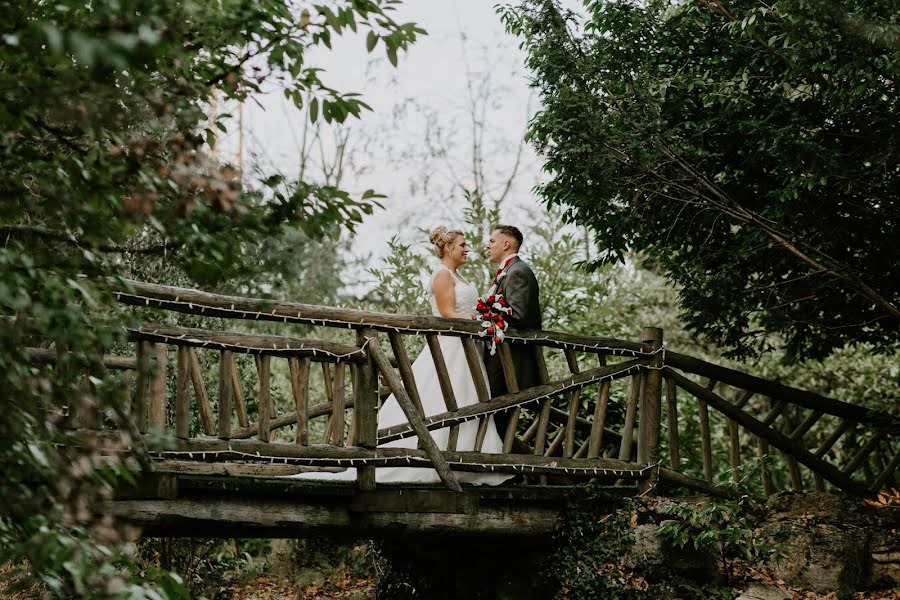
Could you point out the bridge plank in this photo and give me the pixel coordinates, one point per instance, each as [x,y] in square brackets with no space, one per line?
[405,367]
[887,475]
[574,407]
[595,438]
[240,406]
[338,404]
[157,392]
[476,368]
[774,437]
[412,414]
[225,394]
[841,429]
[142,386]
[365,408]
[512,386]
[440,365]
[182,399]
[264,400]
[329,396]
[705,441]
[543,417]
[299,371]
[634,393]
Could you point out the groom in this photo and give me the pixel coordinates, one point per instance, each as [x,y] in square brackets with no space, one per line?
[516,281]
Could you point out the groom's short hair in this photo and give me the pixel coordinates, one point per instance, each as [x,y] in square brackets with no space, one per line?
[512,232]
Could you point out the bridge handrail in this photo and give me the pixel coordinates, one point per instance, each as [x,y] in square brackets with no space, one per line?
[197,302]
[779,391]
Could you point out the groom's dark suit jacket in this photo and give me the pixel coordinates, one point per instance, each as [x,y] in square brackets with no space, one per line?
[520,288]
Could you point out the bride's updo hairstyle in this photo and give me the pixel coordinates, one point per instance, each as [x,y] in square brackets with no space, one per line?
[442,237]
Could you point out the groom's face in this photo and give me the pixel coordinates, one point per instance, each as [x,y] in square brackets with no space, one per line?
[499,246]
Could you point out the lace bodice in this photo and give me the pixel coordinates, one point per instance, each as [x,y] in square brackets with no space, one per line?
[466,294]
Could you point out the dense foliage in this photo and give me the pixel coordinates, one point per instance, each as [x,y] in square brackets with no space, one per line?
[748,148]
[104,147]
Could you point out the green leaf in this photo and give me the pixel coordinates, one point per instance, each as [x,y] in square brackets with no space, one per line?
[313,110]
[371,41]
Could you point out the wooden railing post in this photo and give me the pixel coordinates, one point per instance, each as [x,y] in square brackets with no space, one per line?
[650,407]
[365,408]
[157,392]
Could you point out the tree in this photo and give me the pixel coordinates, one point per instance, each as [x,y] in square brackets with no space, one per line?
[749,149]
[105,158]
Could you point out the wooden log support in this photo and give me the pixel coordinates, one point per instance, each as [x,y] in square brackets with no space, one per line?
[672,423]
[264,399]
[806,425]
[543,417]
[734,445]
[651,408]
[512,386]
[595,438]
[127,383]
[158,388]
[634,394]
[405,367]
[365,407]
[530,432]
[338,405]
[832,439]
[774,437]
[476,368]
[299,372]
[794,472]
[776,411]
[864,452]
[574,407]
[412,414]
[886,477]
[200,394]
[226,394]
[182,393]
[354,426]
[553,448]
[776,390]
[440,365]
[285,420]
[705,442]
[240,406]
[329,395]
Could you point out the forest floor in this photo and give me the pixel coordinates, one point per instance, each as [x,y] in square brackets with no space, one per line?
[342,584]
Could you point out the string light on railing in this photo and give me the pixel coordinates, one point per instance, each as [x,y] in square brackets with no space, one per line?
[410,460]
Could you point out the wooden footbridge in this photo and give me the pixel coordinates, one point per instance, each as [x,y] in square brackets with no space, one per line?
[614,411]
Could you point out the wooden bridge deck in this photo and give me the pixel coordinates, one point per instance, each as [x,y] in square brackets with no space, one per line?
[171,504]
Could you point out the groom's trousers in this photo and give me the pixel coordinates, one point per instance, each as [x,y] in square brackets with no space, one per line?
[525,368]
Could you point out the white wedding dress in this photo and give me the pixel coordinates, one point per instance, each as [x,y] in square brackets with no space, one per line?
[429,388]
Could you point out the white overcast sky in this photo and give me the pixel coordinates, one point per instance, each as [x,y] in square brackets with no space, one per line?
[466,44]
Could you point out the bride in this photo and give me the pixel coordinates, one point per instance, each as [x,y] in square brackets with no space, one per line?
[452,296]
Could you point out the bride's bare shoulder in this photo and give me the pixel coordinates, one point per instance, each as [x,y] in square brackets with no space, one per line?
[442,277]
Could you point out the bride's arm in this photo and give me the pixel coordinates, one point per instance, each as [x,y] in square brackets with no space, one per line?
[445,296]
